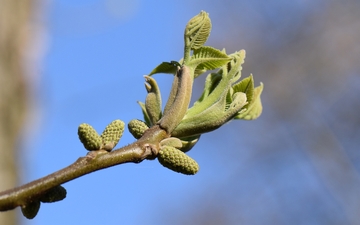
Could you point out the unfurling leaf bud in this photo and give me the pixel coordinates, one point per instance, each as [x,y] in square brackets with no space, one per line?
[197,30]
[89,137]
[112,134]
[177,161]
[55,194]
[31,209]
[137,128]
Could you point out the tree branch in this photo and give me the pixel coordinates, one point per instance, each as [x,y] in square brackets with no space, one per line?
[146,147]
[171,133]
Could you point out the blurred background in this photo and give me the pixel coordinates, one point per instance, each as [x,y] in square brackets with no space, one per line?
[66,62]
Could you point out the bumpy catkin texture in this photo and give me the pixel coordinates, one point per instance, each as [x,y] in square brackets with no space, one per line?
[55,194]
[89,137]
[113,132]
[30,210]
[137,128]
[177,161]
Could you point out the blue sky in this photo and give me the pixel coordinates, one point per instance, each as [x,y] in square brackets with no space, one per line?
[93,72]
[97,52]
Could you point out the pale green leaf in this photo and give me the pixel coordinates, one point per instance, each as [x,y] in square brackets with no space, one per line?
[188,143]
[254,109]
[208,58]
[199,70]
[212,118]
[217,88]
[246,86]
[211,82]
[165,67]
[171,141]
[146,116]
[197,31]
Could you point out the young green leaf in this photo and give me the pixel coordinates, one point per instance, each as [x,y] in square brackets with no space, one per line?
[211,82]
[165,67]
[254,109]
[211,118]
[196,33]
[215,106]
[246,86]
[145,114]
[188,143]
[208,58]
[197,30]
[216,87]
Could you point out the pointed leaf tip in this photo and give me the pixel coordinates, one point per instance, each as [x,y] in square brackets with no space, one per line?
[197,31]
[165,67]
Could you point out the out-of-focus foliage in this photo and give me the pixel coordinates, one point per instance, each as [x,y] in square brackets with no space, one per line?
[301,164]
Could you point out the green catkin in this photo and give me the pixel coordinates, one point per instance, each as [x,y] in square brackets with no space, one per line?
[177,161]
[137,128]
[31,209]
[112,134]
[89,137]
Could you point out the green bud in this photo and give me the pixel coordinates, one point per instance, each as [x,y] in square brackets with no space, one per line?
[55,194]
[89,137]
[177,161]
[197,30]
[153,100]
[112,134]
[31,209]
[254,108]
[137,128]
[180,103]
[188,143]
[171,141]
[218,103]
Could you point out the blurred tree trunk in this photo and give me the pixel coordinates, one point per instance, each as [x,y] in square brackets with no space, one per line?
[14,30]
